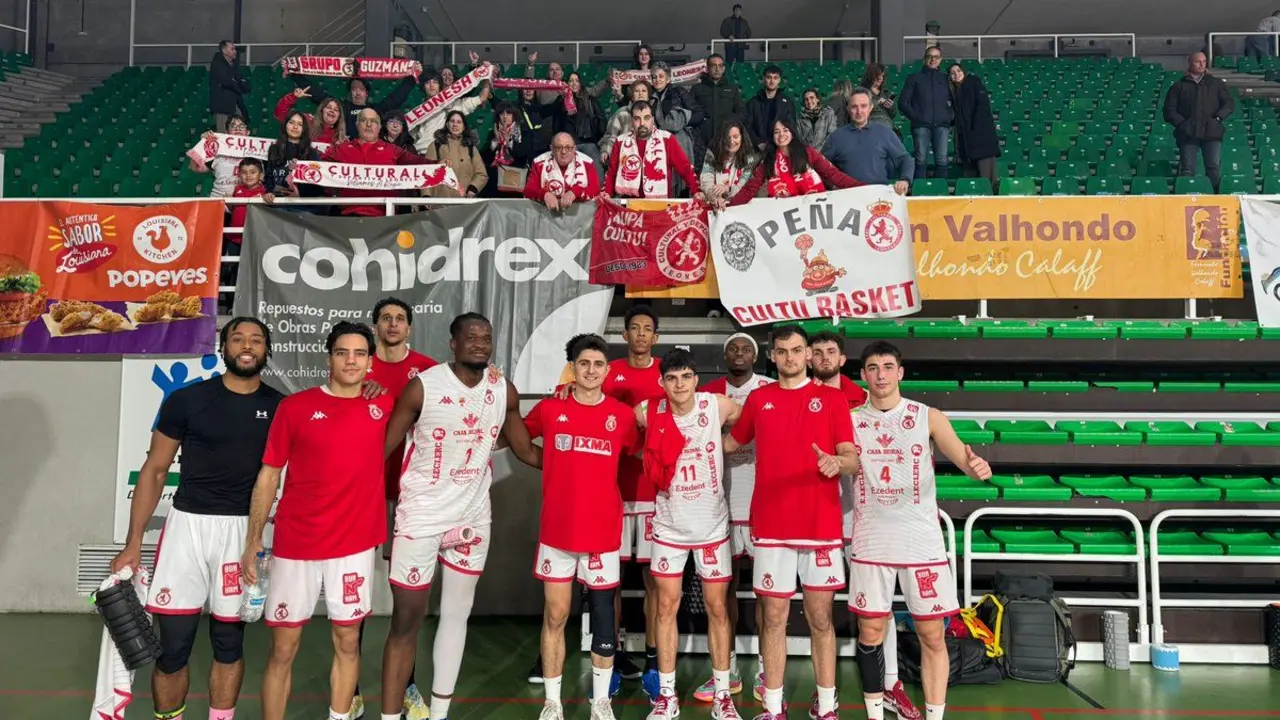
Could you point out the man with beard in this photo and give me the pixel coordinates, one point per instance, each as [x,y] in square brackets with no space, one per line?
[454,414]
[220,426]
[642,161]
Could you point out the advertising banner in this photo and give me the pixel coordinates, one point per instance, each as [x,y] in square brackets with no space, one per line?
[1262,238]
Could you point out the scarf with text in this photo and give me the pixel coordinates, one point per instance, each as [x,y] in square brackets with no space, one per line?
[570,179]
[351,67]
[236,146]
[785,183]
[680,74]
[643,177]
[439,102]
[351,176]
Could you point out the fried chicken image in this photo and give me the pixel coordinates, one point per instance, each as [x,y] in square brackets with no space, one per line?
[107,321]
[151,312]
[164,297]
[73,321]
[63,308]
[189,307]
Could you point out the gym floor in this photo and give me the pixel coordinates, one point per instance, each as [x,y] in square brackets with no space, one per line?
[48,665]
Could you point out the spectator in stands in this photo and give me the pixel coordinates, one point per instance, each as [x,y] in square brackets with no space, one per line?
[293,144]
[250,186]
[395,130]
[789,168]
[555,73]
[327,125]
[734,29]
[768,107]
[620,123]
[816,121]
[1260,46]
[457,146]
[227,87]
[1196,106]
[508,147]
[868,151]
[447,76]
[563,176]
[644,160]
[728,164]
[225,169]
[643,57]
[926,101]
[838,100]
[358,99]
[425,133]
[586,124]
[368,149]
[676,111]
[537,121]
[883,108]
[977,144]
[718,96]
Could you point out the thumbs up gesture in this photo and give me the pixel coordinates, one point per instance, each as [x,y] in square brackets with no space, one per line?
[978,468]
[828,465]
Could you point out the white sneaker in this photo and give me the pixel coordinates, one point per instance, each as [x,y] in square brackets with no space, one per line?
[722,707]
[602,709]
[415,707]
[357,708]
[666,706]
[552,710]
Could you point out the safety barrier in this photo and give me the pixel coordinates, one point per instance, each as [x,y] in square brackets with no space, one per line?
[484,47]
[26,30]
[1054,38]
[1275,41]
[245,48]
[785,42]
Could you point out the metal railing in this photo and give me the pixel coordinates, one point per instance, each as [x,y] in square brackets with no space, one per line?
[245,50]
[481,47]
[821,41]
[1273,47]
[1054,38]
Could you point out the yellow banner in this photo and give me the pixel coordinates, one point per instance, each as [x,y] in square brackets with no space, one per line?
[1023,248]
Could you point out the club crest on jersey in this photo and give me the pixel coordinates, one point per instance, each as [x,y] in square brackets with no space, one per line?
[885,440]
[282,611]
[702,404]
[711,447]
[488,397]
[703,420]
[767,581]
[611,423]
[413,373]
[415,575]
[564,442]
[912,407]
[546,567]
[438,434]
[815,405]
[663,565]
[909,422]
[164,597]
[375,412]
[861,600]
[917,449]
[471,419]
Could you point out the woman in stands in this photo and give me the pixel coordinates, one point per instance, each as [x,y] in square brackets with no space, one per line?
[587,123]
[293,144]
[838,100]
[977,144]
[815,121]
[327,125]
[396,131]
[225,169]
[620,123]
[789,168]
[883,108]
[508,146]
[728,164]
[456,145]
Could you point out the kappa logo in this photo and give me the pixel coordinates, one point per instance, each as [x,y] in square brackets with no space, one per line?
[317,415]
[832,580]
[620,378]
[937,608]
[768,406]
[815,405]
[563,418]
[446,400]
[375,412]
[599,581]
[611,423]
[885,440]
[351,584]
[282,612]
[862,425]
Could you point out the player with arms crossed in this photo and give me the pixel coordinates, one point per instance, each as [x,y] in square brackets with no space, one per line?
[804,442]
[220,425]
[584,435]
[329,520]
[896,533]
[683,458]
[454,414]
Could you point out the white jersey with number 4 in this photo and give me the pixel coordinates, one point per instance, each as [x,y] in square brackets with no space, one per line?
[447,474]
[895,501]
[695,510]
[740,465]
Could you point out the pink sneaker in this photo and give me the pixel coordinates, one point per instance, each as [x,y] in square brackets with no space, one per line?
[766,715]
[707,691]
[813,709]
[898,702]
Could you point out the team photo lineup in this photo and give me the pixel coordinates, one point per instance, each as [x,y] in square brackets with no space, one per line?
[824,486]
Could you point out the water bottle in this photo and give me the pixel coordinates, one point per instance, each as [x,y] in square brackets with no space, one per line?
[255,596]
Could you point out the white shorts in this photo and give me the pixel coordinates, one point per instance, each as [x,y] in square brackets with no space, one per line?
[740,541]
[598,571]
[198,563]
[776,568]
[712,562]
[637,537]
[296,585]
[413,560]
[930,590]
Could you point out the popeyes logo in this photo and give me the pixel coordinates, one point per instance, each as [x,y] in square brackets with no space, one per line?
[160,239]
[81,242]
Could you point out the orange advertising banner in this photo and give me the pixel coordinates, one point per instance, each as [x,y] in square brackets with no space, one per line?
[85,278]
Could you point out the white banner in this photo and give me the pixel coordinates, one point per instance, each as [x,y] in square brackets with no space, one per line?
[351,67]
[1262,240]
[842,254]
[373,177]
[237,146]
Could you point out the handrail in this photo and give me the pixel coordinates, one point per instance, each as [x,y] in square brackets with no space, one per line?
[875,43]
[1274,36]
[247,47]
[26,32]
[355,11]
[515,46]
[1133,39]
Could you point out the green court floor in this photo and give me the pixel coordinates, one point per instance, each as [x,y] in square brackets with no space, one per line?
[48,663]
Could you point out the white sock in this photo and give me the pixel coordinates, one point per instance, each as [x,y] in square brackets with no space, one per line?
[551,687]
[667,681]
[733,664]
[457,591]
[890,647]
[396,716]
[826,700]
[439,708]
[721,680]
[773,700]
[934,712]
[600,679]
[875,708]
[335,715]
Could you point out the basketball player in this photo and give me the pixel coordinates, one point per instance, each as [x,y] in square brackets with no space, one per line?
[455,413]
[740,478]
[584,435]
[691,521]
[804,442]
[329,520]
[828,361]
[896,535]
[220,426]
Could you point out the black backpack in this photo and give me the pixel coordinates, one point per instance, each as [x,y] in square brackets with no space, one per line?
[1035,629]
[969,662]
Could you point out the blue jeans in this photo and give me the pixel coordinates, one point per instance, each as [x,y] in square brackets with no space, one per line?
[924,138]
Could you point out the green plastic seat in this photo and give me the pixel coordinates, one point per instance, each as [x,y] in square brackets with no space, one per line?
[1057,386]
[1012,329]
[921,386]
[1096,432]
[1186,386]
[1175,488]
[994,386]
[1032,540]
[1030,488]
[973,186]
[982,542]
[1187,542]
[1018,186]
[950,329]
[873,329]
[1244,488]
[1026,432]
[931,187]
[1245,541]
[1100,541]
[962,487]
[1236,433]
[1171,433]
[971,433]
[1079,330]
[1112,487]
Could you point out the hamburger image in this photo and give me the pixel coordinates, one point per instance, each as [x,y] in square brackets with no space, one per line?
[22,297]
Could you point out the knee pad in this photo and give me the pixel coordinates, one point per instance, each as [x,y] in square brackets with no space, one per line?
[604,636]
[227,639]
[177,636]
[871,668]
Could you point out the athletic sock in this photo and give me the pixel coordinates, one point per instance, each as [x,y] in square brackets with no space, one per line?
[733,664]
[759,664]
[826,700]
[551,688]
[773,700]
[650,658]
[890,648]
[721,680]
[600,680]
[335,715]
[228,714]
[934,712]
[395,716]
[172,714]
[875,708]
[438,708]
[667,680]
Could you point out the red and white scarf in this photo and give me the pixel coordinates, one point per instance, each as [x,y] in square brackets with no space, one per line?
[795,184]
[351,67]
[643,177]
[437,103]
[681,74]
[236,146]
[557,181]
[373,177]
[730,176]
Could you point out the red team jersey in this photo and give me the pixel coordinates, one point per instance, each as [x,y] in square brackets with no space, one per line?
[395,376]
[793,502]
[581,446]
[332,504]
[633,386]
[853,392]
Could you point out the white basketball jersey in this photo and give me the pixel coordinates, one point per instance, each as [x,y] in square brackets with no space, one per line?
[895,502]
[740,465]
[695,509]
[445,483]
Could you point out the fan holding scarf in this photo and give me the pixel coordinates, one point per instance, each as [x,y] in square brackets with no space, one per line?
[790,168]
[563,176]
[641,161]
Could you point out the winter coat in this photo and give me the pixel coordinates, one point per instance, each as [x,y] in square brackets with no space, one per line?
[814,128]
[226,86]
[463,156]
[976,137]
[926,99]
[762,112]
[721,102]
[1196,110]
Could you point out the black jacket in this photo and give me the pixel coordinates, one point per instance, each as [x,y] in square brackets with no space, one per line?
[587,125]
[720,101]
[976,137]
[761,113]
[674,97]
[926,99]
[226,86]
[1196,109]
[392,101]
[738,27]
[277,169]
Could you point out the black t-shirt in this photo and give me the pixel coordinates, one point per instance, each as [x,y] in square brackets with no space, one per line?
[222,436]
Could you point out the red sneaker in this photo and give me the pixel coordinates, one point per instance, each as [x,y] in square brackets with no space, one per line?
[899,703]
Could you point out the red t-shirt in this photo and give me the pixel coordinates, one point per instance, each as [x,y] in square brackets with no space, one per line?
[331,449]
[395,377]
[853,392]
[581,503]
[792,500]
[633,386]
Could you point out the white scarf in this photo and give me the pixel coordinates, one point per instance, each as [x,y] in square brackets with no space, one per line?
[557,181]
[651,171]
[730,176]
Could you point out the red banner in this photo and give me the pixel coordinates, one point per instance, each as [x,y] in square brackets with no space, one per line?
[658,247]
[351,67]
